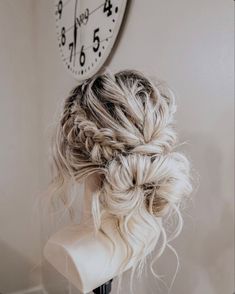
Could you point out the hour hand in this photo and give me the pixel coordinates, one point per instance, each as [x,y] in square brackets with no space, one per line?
[75,32]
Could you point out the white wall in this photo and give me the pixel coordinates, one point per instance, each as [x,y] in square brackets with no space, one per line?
[20,148]
[188,44]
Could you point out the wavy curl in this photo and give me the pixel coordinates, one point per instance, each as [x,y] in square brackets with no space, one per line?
[121,126]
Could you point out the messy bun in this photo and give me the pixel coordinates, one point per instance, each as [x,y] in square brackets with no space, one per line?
[138,180]
[121,126]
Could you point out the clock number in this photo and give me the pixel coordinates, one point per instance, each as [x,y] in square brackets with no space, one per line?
[63,37]
[60,8]
[71,52]
[96,40]
[108,7]
[82,58]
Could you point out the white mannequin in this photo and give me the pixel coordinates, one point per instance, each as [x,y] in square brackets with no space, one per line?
[87,258]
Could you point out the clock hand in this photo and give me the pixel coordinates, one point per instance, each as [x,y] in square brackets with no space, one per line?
[75,33]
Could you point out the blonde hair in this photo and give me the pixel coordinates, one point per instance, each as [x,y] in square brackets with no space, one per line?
[121,126]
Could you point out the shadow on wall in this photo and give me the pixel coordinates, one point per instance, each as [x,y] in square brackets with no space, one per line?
[206,251]
[18,273]
[55,282]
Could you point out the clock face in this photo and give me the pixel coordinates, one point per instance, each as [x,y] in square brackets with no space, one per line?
[86,32]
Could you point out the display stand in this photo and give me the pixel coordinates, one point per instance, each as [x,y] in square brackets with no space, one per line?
[104,289]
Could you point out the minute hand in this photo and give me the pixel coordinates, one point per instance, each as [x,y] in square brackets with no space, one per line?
[75,33]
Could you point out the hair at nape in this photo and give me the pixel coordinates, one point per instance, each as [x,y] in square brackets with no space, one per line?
[121,127]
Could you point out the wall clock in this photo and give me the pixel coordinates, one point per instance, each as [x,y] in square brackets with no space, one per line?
[86,32]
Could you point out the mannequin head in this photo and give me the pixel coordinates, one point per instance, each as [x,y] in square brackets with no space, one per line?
[120,128]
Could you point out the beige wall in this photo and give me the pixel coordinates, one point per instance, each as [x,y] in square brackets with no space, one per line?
[188,44]
[20,148]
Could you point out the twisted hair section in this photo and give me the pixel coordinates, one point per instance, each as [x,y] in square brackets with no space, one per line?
[122,127]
